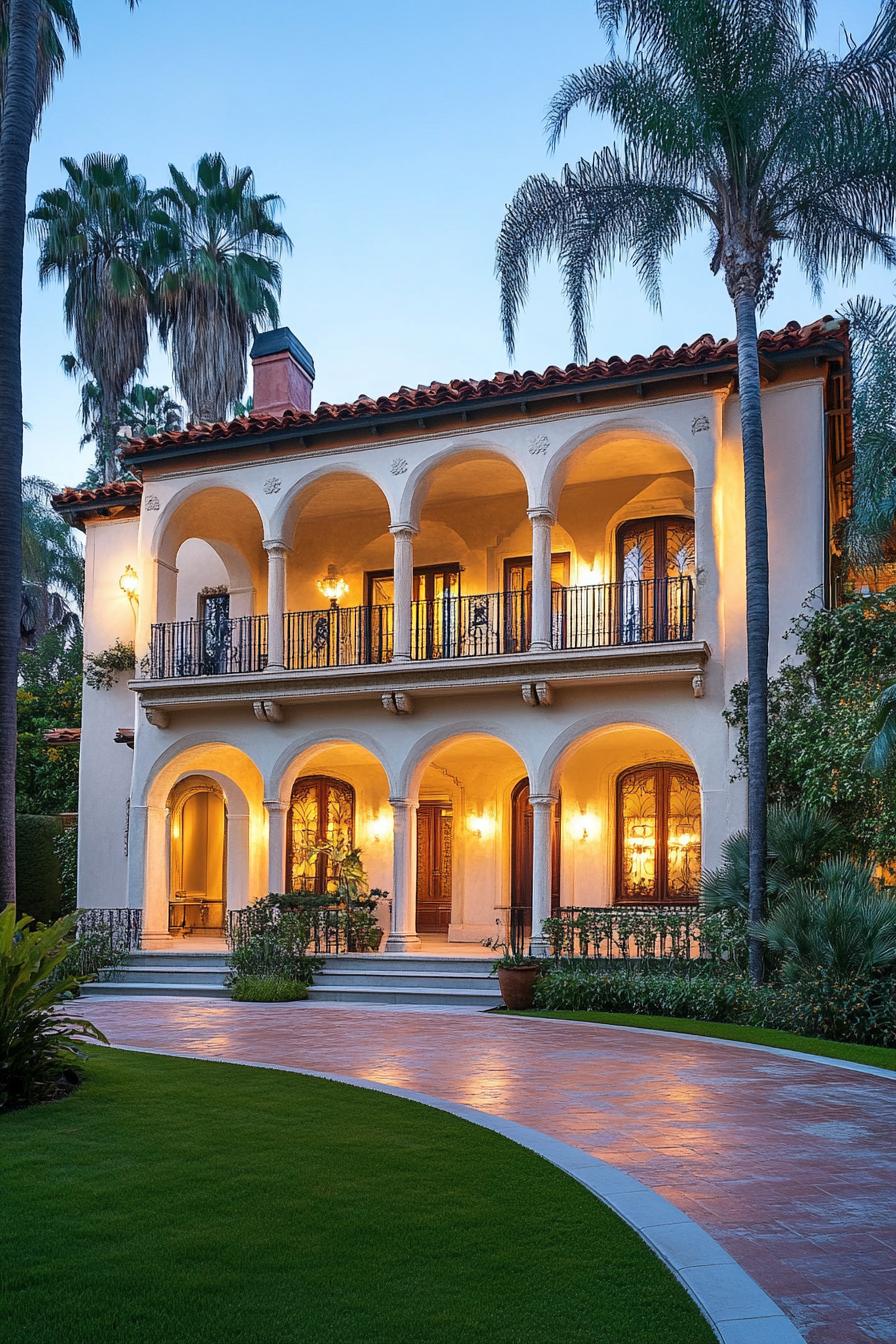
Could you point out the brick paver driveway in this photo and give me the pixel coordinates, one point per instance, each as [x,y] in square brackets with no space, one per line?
[788,1163]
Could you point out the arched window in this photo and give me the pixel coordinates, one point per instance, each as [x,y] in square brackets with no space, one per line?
[198,829]
[655,566]
[657,835]
[321,811]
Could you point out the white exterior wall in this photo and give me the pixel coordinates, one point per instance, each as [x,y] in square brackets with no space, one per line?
[105,766]
[577,745]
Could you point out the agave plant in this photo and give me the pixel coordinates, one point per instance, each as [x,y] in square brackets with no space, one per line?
[841,923]
[38,1043]
[799,839]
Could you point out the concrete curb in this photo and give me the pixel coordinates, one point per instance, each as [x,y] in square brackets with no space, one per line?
[738,1310]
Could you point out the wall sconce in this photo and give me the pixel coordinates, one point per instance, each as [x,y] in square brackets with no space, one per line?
[589,575]
[584,826]
[130,584]
[332,586]
[379,828]
[481,825]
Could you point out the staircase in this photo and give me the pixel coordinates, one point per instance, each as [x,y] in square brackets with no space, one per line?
[355,978]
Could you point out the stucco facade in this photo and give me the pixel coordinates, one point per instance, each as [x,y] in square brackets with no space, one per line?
[501,618]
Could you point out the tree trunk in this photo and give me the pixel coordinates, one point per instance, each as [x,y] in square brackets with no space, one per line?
[108,436]
[757,612]
[16,125]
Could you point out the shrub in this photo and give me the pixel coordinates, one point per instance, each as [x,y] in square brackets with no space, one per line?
[842,925]
[39,891]
[276,947]
[38,1043]
[92,956]
[267,989]
[799,840]
[66,847]
[860,1009]
[701,995]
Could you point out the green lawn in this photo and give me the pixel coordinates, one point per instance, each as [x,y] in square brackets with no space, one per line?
[183,1201]
[882,1057]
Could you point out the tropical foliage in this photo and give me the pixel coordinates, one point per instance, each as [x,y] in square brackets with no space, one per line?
[873,345]
[799,841]
[57,29]
[142,411]
[48,696]
[217,244]
[39,1050]
[823,715]
[52,568]
[727,124]
[93,234]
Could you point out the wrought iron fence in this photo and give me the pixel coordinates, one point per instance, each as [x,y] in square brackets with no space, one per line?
[324,930]
[475,626]
[632,932]
[338,637]
[643,611]
[122,926]
[209,648]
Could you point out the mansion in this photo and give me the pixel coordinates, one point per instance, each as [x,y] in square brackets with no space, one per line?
[484,631]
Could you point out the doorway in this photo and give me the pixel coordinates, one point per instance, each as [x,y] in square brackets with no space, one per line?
[434,867]
[197,899]
[521,858]
[434,610]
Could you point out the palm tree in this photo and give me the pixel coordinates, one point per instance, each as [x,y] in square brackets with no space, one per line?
[142,411]
[22,94]
[217,245]
[727,123]
[57,25]
[872,331]
[93,234]
[52,567]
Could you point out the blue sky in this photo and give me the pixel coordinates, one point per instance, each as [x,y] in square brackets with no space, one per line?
[395,133]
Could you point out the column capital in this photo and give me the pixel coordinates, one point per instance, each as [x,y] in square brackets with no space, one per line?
[542,799]
[276,546]
[542,514]
[403,529]
[275,804]
[400,804]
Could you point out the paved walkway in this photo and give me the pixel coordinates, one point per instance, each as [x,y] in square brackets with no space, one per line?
[788,1163]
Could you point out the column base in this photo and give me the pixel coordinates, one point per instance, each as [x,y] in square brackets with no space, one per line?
[540,646]
[403,942]
[539,947]
[401,658]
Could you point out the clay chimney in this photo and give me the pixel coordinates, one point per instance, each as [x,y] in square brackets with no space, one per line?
[282,373]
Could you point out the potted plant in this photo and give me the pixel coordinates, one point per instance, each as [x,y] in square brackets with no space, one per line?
[516,978]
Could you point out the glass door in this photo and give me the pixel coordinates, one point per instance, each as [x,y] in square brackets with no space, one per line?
[214,615]
[434,612]
[518,600]
[656,564]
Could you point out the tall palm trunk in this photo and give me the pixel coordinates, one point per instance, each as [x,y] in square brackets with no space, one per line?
[757,610]
[108,435]
[16,126]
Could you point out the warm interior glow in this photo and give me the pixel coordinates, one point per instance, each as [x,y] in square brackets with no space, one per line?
[584,826]
[481,824]
[130,584]
[333,586]
[586,575]
[379,828]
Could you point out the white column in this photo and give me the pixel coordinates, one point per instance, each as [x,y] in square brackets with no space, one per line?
[237,858]
[276,844]
[148,871]
[542,827]
[276,601]
[403,937]
[540,634]
[706,611]
[403,590]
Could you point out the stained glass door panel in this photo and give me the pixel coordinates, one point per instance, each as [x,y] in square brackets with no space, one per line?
[322,811]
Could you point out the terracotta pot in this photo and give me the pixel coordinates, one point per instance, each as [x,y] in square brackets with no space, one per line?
[517,985]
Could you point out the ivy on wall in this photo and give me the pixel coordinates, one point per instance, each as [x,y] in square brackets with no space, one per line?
[101,670]
[822,720]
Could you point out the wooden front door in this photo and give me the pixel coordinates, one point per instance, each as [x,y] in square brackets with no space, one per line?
[521,855]
[433,867]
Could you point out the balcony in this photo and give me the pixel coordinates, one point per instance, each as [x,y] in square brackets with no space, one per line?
[600,632]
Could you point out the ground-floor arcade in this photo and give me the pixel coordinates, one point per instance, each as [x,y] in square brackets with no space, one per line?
[470,826]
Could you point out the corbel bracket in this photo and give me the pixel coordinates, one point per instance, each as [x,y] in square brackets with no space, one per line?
[537,694]
[267,711]
[398,702]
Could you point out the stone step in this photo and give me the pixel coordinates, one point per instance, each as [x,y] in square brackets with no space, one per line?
[412,996]
[409,978]
[141,987]
[161,975]
[177,960]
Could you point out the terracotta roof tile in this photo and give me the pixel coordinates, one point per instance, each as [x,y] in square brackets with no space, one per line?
[706,350]
[62,737]
[113,493]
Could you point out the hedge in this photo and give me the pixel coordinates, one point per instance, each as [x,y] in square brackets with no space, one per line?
[40,891]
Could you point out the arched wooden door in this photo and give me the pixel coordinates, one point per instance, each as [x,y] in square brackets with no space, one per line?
[521,855]
[321,811]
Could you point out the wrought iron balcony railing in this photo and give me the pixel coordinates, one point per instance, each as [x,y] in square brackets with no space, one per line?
[605,615]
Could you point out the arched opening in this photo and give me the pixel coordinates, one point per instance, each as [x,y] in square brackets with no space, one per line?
[337,529]
[197,900]
[625,503]
[472,559]
[211,573]
[632,819]
[321,813]
[521,827]
[464,839]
